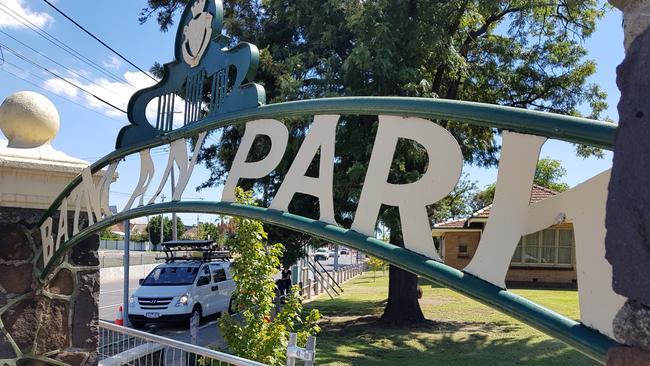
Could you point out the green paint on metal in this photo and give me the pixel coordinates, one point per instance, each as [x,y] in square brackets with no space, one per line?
[575,334]
[566,128]
[223,74]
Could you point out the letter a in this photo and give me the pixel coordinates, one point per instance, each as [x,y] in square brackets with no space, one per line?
[321,136]
[279,136]
[442,174]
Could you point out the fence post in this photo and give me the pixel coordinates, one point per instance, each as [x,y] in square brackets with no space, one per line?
[309,288]
[304,354]
[194,328]
[311,347]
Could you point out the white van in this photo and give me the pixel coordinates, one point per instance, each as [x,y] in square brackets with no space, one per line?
[178,290]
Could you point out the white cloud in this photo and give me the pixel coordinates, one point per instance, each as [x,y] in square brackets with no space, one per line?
[9,20]
[113,63]
[113,92]
[60,87]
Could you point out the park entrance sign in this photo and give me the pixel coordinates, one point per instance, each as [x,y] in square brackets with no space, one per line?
[210,85]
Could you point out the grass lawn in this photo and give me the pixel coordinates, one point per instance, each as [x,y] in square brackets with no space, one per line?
[460,332]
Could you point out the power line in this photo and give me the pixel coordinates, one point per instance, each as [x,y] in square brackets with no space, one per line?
[151,109]
[58,63]
[55,41]
[150,195]
[155,152]
[33,63]
[99,40]
[41,88]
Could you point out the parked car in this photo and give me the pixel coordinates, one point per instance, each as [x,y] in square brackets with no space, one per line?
[322,254]
[182,288]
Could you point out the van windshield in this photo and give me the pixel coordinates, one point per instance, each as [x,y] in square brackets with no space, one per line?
[171,276]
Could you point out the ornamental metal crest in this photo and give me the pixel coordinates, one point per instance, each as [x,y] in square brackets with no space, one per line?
[208,77]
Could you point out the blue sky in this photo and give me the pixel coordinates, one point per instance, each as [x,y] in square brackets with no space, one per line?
[88,129]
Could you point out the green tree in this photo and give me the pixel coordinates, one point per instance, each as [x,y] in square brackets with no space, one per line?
[519,53]
[107,234]
[209,231]
[140,236]
[549,174]
[257,336]
[154,228]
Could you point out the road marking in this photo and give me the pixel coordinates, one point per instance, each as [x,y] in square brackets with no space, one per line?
[108,306]
[110,292]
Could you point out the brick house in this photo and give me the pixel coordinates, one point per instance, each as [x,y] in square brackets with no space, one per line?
[544,258]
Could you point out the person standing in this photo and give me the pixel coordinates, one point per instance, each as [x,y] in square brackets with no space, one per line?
[286,280]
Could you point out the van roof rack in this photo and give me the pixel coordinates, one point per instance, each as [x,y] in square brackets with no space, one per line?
[209,251]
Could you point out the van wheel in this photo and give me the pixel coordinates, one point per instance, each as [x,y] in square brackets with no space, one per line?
[198,311]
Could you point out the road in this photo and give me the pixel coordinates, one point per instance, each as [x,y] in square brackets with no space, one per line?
[110,299]
[344,260]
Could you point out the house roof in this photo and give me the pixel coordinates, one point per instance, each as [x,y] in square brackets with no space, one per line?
[537,193]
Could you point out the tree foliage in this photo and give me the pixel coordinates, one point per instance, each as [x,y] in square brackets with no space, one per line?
[209,231]
[519,53]
[549,174]
[154,228]
[256,337]
[107,234]
[139,236]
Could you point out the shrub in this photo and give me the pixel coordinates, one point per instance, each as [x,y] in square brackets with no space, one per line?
[255,336]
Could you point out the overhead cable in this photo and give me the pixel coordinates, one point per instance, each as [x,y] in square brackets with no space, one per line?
[41,88]
[60,44]
[99,40]
[58,63]
[33,63]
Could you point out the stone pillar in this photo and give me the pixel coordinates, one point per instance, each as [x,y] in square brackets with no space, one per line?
[628,228]
[55,320]
[50,322]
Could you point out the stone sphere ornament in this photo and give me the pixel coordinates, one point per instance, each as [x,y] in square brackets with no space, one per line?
[28,120]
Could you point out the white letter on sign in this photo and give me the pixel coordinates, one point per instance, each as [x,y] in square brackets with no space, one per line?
[585,204]
[321,135]
[441,176]
[508,215]
[279,136]
[47,241]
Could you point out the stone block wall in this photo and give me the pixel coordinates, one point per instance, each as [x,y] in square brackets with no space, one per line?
[628,230]
[50,323]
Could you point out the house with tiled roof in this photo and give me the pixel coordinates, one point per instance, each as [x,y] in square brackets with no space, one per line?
[545,258]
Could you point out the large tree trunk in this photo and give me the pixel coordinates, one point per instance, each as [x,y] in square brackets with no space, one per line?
[403,307]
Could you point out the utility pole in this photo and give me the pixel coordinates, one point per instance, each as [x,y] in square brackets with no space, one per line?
[336,257]
[127,255]
[174,231]
[162,224]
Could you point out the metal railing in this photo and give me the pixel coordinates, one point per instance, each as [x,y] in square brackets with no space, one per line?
[120,345]
[110,259]
[321,283]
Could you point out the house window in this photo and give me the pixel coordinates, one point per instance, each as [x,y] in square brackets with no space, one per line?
[545,247]
[462,246]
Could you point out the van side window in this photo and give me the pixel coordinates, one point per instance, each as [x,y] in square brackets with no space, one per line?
[204,276]
[219,274]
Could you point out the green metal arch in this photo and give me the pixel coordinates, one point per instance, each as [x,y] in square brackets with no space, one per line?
[584,339]
[561,127]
